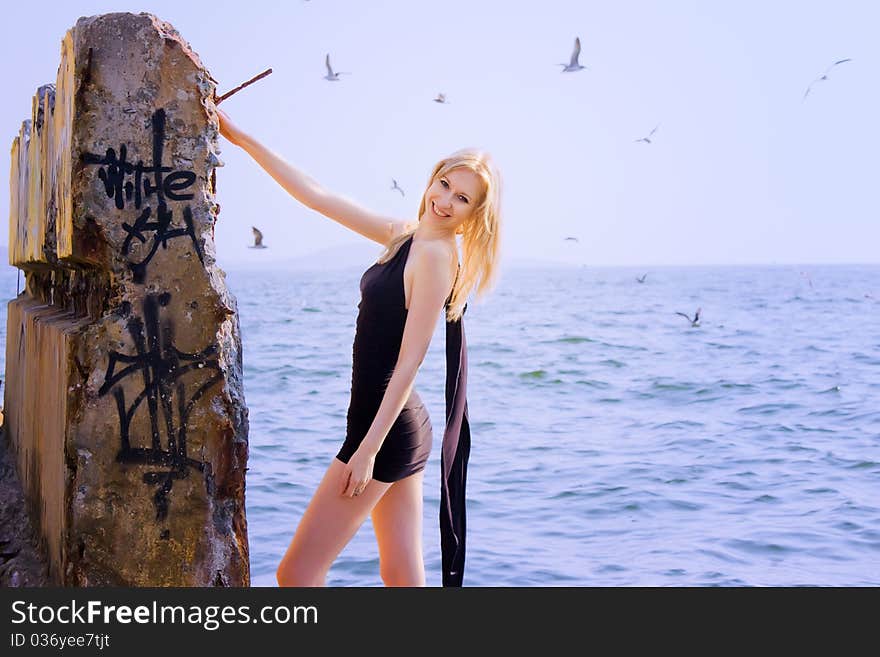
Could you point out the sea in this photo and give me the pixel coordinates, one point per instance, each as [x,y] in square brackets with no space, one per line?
[614,441]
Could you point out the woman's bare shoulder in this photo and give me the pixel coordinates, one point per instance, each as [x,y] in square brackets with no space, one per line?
[441,258]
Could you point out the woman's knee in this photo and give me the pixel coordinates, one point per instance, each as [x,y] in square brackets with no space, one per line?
[295,572]
[410,572]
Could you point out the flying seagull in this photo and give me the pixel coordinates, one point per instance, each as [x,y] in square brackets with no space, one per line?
[258,239]
[333,77]
[574,65]
[647,139]
[641,279]
[695,321]
[824,76]
[571,239]
[441,98]
[394,186]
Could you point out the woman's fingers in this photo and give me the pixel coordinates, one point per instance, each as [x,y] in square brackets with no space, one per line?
[350,485]
[353,487]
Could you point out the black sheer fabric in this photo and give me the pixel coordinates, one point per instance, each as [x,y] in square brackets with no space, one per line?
[454,456]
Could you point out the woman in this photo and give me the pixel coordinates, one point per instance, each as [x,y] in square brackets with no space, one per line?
[379,468]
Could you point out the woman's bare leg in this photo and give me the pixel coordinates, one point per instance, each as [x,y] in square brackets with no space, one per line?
[397,520]
[328,524]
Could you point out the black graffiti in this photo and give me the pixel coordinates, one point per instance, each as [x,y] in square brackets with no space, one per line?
[125,181]
[115,168]
[161,366]
[163,234]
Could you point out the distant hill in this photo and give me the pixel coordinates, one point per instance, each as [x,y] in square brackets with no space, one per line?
[352,255]
[355,254]
[365,253]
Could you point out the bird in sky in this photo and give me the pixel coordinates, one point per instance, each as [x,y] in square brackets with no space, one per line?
[574,65]
[395,186]
[331,75]
[441,98]
[647,139]
[258,239]
[571,239]
[695,321]
[641,279]
[824,76]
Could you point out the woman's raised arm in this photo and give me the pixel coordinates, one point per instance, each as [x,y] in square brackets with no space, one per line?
[307,191]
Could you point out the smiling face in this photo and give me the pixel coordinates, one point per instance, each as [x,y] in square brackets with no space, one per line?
[452,197]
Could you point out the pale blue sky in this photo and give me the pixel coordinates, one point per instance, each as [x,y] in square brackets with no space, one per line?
[740,171]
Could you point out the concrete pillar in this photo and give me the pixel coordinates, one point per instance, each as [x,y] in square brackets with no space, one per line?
[124,399]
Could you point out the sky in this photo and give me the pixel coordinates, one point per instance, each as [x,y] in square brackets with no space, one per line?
[741,170]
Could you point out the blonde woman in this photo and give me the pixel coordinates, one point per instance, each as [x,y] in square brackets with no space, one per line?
[379,468]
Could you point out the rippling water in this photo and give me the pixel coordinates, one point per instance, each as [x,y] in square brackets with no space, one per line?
[613,443]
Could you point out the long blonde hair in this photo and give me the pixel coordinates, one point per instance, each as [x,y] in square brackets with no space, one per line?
[480,242]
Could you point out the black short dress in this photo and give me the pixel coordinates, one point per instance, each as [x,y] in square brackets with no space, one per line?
[381,319]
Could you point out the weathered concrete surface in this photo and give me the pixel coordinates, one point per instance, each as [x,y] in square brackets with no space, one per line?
[124,401]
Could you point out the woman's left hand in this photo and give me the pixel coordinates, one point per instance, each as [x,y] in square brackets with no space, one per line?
[357,473]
